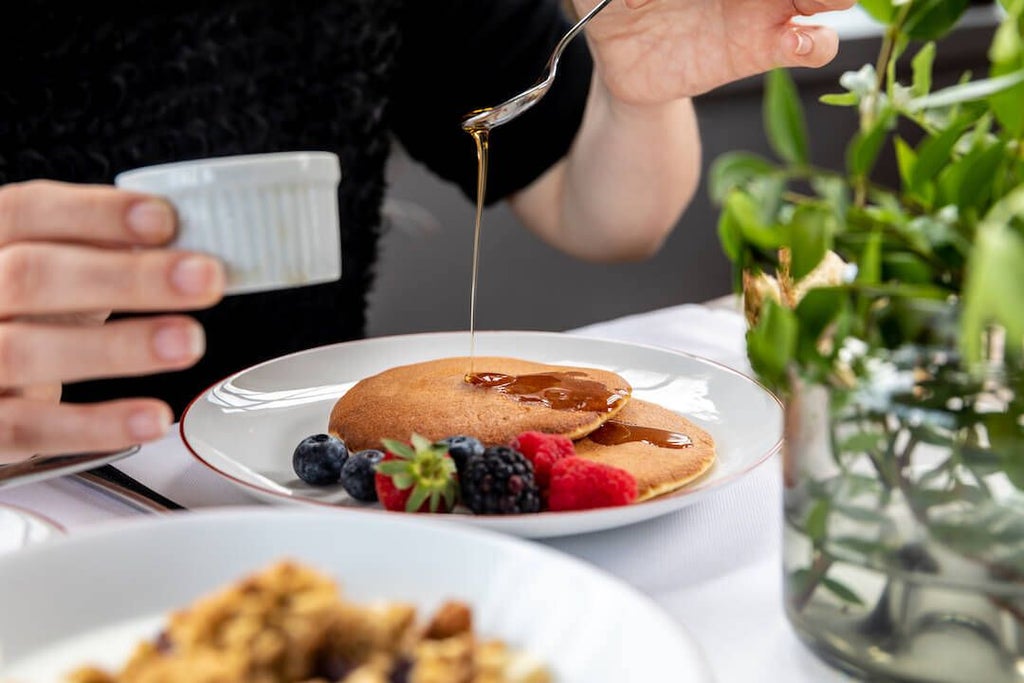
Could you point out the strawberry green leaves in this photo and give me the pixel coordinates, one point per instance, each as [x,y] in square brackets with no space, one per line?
[418,476]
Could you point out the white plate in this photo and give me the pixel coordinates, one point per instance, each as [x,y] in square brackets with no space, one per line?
[246,427]
[91,596]
[20,527]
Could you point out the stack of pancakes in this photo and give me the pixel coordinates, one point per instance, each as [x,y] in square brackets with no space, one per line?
[434,399]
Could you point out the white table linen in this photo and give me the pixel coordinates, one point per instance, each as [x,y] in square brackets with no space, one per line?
[715,565]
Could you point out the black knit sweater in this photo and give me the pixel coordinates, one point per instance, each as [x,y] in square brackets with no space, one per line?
[89,90]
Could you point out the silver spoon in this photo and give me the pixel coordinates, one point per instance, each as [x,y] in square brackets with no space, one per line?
[492,117]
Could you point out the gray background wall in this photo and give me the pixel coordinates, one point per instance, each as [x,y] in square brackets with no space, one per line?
[424,270]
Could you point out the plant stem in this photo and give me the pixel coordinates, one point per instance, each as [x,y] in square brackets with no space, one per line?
[822,563]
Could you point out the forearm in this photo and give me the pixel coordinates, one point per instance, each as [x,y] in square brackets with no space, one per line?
[622,187]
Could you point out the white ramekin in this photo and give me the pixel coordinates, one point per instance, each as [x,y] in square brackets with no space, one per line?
[272,218]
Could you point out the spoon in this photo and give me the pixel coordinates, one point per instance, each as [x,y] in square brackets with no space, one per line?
[492,117]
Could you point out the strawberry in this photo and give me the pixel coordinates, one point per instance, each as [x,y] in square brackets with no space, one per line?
[416,477]
[543,450]
[581,484]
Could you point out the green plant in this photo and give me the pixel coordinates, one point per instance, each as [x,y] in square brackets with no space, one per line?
[920,279]
[953,229]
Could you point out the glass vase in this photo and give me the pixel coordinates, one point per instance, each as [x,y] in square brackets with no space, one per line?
[904,516]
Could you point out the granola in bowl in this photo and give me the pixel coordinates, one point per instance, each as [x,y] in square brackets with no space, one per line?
[291,624]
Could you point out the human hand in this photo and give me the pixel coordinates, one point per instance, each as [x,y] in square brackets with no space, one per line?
[70,254]
[656,51]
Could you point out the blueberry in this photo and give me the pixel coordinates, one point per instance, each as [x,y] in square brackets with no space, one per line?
[357,474]
[462,447]
[318,459]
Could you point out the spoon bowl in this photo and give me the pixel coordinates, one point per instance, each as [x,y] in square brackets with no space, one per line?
[491,117]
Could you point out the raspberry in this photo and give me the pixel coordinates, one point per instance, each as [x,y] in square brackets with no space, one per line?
[581,484]
[499,482]
[543,450]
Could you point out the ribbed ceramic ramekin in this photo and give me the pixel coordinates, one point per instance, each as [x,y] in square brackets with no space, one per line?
[272,218]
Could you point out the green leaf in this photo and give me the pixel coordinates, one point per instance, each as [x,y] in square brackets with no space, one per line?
[817,309]
[931,19]
[735,169]
[745,214]
[1007,57]
[922,70]
[810,236]
[906,159]
[994,286]
[771,343]
[840,99]
[817,521]
[841,591]
[866,145]
[784,118]
[399,448]
[863,442]
[906,267]
[417,498]
[932,156]
[730,236]
[421,443]
[836,192]
[968,181]
[966,92]
[882,11]
[869,266]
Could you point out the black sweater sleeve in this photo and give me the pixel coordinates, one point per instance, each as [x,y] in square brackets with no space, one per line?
[463,55]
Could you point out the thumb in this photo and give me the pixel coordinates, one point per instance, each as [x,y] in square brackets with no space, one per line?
[802,45]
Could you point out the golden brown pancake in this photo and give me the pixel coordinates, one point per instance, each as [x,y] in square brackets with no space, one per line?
[657,469]
[433,399]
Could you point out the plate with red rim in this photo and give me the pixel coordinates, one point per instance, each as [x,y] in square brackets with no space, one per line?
[245,427]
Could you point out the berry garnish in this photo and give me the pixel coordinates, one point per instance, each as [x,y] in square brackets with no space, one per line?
[500,482]
[581,484]
[543,450]
[318,459]
[416,477]
[462,447]
[358,473]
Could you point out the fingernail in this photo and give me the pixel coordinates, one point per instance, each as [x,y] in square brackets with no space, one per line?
[151,219]
[175,343]
[147,425]
[195,275]
[804,43]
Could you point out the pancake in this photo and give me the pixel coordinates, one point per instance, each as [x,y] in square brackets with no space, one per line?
[657,469]
[433,399]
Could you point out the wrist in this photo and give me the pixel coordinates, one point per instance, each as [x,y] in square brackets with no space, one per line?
[619,110]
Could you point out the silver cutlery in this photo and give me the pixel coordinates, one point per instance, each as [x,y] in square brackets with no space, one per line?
[492,117]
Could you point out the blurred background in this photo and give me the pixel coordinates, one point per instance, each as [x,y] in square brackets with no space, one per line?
[424,270]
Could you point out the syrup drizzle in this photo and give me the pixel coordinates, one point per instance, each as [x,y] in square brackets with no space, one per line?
[481,136]
[613,433]
[557,390]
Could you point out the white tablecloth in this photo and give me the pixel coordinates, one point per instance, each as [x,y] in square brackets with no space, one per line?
[715,565]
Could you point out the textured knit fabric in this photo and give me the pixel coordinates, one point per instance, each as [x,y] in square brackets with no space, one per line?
[92,89]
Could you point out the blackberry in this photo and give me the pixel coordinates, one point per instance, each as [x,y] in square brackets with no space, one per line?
[461,448]
[318,459]
[500,482]
[357,474]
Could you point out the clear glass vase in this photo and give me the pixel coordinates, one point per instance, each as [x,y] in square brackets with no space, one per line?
[904,516]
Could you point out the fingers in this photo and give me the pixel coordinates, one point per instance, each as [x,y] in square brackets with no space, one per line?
[32,353]
[52,211]
[810,46]
[52,278]
[30,427]
[809,7]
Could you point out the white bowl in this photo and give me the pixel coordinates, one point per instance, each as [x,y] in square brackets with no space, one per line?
[272,218]
[89,597]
